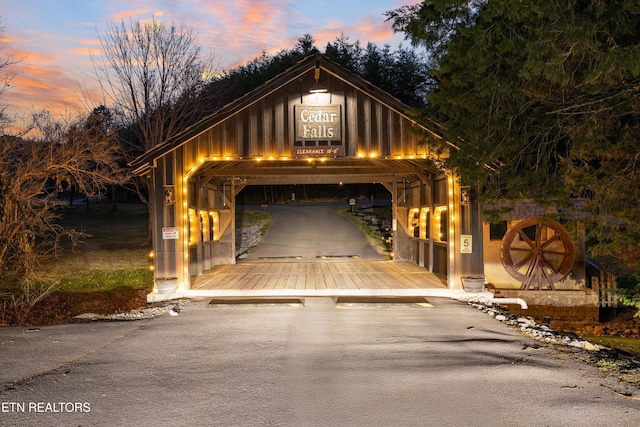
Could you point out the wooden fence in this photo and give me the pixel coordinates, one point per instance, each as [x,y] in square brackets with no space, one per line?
[603,284]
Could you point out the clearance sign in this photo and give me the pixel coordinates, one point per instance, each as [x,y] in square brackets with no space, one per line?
[316,127]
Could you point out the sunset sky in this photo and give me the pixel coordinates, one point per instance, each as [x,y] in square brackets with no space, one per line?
[55,38]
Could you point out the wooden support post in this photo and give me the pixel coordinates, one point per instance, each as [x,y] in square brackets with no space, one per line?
[395,230]
[232,204]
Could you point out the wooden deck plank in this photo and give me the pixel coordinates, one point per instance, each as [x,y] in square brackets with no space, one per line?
[357,280]
[390,281]
[346,281]
[320,281]
[273,281]
[371,280]
[289,282]
[287,278]
[329,280]
[318,275]
[229,281]
[249,281]
[301,280]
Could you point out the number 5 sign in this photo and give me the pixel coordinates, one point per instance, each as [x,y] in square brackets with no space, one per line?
[466,243]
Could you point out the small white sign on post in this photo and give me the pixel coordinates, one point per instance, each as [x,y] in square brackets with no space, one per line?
[169,233]
[466,244]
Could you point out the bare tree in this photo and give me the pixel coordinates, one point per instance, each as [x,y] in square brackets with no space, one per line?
[32,171]
[6,61]
[153,74]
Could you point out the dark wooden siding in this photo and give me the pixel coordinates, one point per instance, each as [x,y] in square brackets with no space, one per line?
[265,128]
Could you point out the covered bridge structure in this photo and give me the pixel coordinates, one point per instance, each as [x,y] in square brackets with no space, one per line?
[316,123]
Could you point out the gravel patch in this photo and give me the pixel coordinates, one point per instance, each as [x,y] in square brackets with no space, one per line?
[172,308]
[528,325]
[610,362]
[246,239]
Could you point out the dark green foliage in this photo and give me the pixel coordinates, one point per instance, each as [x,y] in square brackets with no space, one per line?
[542,100]
[630,298]
[403,73]
[243,79]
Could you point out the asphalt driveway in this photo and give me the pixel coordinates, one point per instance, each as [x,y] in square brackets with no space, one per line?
[315,364]
[307,232]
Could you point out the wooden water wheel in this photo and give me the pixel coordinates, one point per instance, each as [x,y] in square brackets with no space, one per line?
[538,252]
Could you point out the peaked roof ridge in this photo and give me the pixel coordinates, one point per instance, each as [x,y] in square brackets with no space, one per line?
[302,67]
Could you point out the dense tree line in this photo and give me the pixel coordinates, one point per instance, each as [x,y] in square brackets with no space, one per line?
[402,72]
[542,100]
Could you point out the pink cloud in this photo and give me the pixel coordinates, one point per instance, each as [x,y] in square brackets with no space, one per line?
[57,58]
[241,30]
[40,81]
[88,47]
[37,86]
[83,51]
[373,30]
[256,14]
[125,15]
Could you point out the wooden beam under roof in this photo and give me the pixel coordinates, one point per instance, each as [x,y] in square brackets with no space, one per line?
[320,171]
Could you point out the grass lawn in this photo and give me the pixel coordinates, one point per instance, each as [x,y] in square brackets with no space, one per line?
[373,233]
[107,273]
[250,217]
[114,255]
[629,345]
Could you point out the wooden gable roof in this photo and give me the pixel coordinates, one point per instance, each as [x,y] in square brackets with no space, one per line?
[259,124]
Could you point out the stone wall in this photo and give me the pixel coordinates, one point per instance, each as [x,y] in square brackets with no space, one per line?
[560,306]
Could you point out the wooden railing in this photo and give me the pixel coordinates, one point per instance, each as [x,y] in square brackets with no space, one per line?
[604,282]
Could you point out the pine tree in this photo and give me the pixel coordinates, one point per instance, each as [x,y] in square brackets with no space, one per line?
[541,99]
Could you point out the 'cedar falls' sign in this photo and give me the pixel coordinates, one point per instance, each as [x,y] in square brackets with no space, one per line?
[317,123]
